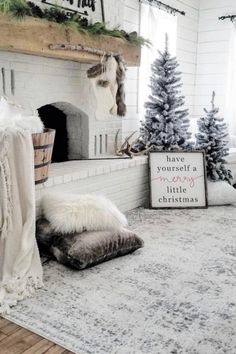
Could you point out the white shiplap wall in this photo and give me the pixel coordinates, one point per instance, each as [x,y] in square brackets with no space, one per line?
[213,53]
[187,41]
[131,23]
[202,51]
[186,49]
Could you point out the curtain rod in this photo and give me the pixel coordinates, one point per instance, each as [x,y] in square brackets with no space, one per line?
[231,17]
[169,8]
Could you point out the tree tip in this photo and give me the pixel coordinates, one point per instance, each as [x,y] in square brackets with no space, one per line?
[213,99]
[166,41]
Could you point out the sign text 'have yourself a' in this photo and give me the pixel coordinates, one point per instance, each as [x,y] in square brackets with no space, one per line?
[178,179]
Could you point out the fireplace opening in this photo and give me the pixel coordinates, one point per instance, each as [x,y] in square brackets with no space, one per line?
[72,130]
[54,118]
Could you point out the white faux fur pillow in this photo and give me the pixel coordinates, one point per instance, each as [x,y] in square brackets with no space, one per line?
[70,213]
[15,118]
[220,193]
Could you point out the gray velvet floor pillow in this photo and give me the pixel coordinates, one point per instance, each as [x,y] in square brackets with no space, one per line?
[82,250]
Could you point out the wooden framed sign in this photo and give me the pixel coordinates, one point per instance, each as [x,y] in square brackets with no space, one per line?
[92,9]
[178,179]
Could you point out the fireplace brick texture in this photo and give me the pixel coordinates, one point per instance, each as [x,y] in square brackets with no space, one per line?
[39,81]
[125,182]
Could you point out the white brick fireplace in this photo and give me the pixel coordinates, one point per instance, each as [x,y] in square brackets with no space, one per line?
[35,82]
[60,89]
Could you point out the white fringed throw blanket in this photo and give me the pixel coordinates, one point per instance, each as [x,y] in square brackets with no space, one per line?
[20,266]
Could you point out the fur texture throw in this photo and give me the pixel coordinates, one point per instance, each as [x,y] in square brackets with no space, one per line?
[69,213]
[13,118]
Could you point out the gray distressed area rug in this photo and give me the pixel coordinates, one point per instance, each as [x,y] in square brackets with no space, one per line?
[176,295]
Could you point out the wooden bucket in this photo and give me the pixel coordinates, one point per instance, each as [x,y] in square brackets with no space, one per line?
[43,146]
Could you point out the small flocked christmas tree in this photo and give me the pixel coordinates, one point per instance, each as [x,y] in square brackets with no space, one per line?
[212,138]
[166,124]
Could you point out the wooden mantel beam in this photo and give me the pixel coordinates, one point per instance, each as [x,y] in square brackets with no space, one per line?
[35,36]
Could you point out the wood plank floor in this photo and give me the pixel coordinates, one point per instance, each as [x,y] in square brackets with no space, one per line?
[17,340]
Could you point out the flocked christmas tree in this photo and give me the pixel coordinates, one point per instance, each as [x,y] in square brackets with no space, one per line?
[166,126]
[212,138]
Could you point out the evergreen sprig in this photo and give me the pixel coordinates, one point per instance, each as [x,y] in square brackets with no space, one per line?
[21,8]
[5,6]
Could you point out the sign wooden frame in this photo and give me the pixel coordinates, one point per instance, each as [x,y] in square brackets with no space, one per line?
[73,6]
[180,177]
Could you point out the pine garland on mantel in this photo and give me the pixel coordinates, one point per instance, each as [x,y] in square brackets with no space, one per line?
[21,8]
